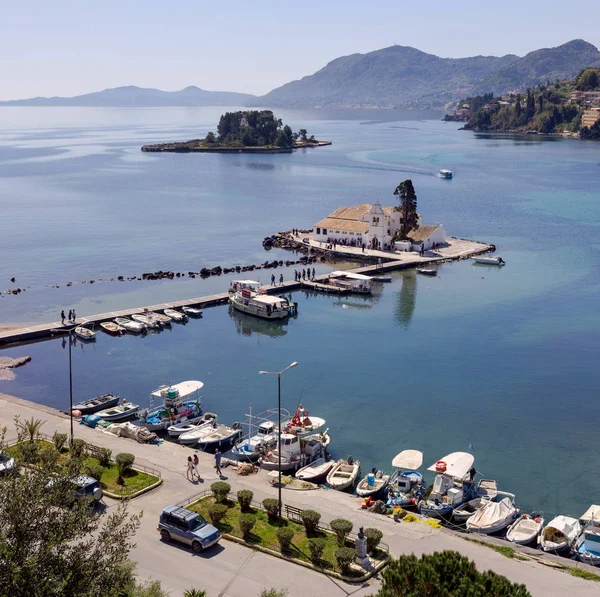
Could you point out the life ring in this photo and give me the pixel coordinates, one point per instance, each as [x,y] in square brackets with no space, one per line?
[440,466]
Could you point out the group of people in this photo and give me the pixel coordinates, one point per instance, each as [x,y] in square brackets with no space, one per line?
[273,279]
[72,316]
[305,274]
[193,462]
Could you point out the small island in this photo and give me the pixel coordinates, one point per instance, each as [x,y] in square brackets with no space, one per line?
[253,131]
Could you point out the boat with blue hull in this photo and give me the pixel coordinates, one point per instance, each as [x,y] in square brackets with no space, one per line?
[220,436]
[406,485]
[587,546]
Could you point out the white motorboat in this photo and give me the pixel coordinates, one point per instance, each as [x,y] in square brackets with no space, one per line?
[119,412]
[445,173]
[560,534]
[427,271]
[252,448]
[587,546]
[343,474]
[295,453]
[356,283]
[406,483]
[373,484]
[262,305]
[525,530]
[179,403]
[148,319]
[489,260]
[301,424]
[186,426]
[134,327]
[112,328]
[221,436]
[192,437]
[85,333]
[192,311]
[493,516]
[175,315]
[316,471]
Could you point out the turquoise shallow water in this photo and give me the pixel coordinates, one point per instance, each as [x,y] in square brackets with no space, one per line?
[502,359]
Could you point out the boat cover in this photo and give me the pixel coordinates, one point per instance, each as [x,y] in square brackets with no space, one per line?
[184,388]
[349,275]
[458,464]
[408,459]
[568,526]
[247,282]
[592,514]
[140,434]
[491,514]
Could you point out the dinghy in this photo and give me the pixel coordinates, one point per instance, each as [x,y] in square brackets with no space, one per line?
[427,271]
[525,530]
[192,311]
[489,260]
[373,484]
[85,333]
[119,412]
[587,546]
[175,315]
[468,509]
[316,471]
[148,320]
[134,327]
[493,516]
[191,438]
[560,533]
[112,328]
[344,474]
[381,279]
[165,320]
[406,483]
[87,407]
[187,426]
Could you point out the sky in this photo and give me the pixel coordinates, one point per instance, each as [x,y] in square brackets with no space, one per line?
[69,47]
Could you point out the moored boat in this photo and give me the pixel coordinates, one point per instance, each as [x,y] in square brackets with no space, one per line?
[165,320]
[373,484]
[493,516]
[301,424]
[356,283]
[219,436]
[316,471]
[84,333]
[262,305]
[560,534]
[111,328]
[489,260]
[295,453]
[381,278]
[426,271]
[119,412]
[134,327]
[526,529]
[186,427]
[148,319]
[587,545]
[253,447]
[192,311]
[406,486]
[92,405]
[468,509]
[193,436]
[344,474]
[177,316]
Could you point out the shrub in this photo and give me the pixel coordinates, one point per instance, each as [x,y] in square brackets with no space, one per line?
[284,536]
[194,593]
[271,505]
[244,497]
[373,538]
[246,522]
[124,462]
[103,455]
[274,592]
[217,512]
[94,470]
[316,548]
[344,557]
[220,490]
[77,448]
[342,528]
[310,519]
[29,452]
[59,439]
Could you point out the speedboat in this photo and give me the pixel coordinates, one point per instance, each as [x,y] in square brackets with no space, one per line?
[92,405]
[119,412]
[252,448]
[175,315]
[316,471]
[343,474]
[220,436]
[373,484]
[111,328]
[560,534]
[186,427]
[445,173]
[134,327]
[301,424]
[294,453]
[85,333]
[192,311]
[406,483]
[489,260]
[587,546]
[193,436]
[525,530]
[148,319]
[493,516]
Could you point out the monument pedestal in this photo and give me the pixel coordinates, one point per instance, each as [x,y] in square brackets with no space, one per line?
[361,557]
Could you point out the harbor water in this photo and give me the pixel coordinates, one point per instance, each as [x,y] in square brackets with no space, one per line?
[498,361]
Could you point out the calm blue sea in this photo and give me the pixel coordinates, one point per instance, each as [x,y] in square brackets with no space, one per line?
[504,360]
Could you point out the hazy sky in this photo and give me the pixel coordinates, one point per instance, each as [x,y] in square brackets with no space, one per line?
[68,47]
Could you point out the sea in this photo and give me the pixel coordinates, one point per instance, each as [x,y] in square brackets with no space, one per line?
[499,362]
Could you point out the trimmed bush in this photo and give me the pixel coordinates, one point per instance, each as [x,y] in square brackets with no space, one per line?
[316,548]
[342,528]
[103,455]
[244,497]
[310,519]
[246,522]
[271,505]
[344,557]
[220,490]
[274,592]
[95,471]
[59,439]
[217,512]
[373,538]
[124,462]
[77,448]
[284,536]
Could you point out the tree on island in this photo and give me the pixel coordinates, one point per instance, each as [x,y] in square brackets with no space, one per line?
[210,138]
[408,207]
[302,133]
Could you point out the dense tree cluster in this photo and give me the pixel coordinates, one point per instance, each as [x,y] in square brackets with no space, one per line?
[592,132]
[405,191]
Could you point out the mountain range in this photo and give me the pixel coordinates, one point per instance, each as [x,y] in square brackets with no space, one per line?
[398,76]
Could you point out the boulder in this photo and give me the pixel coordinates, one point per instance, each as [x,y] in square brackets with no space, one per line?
[216,271]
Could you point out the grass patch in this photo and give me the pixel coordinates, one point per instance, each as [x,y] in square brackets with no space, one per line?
[505,550]
[585,574]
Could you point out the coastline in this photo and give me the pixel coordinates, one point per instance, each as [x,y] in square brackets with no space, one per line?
[183,147]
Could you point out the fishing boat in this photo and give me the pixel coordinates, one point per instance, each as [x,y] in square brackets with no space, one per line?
[301,424]
[192,311]
[220,436]
[560,534]
[587,546]
[489,260]
[111,328]
[262,305]
[493,516]
[92,405]
[446,174]
[316,471]
[526,529]
[373,484]
[85,334]
[254,446]
[449,490]
[193,436]
[165,320]
[175,315]
[295,453]
[427,271]
[356,283]
[119,412]
[343,474]
[238,285]
[148,319]
[468,509]
[178,403]
[134,327]
[406,486]
[186,427]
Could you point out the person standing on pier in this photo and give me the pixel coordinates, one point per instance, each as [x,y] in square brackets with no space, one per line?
[272,279]
[70,315]
[74,316]
[62,316]
[218,462]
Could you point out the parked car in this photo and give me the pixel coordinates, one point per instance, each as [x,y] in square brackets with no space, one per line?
[185,526]
[7,463]
[84,488]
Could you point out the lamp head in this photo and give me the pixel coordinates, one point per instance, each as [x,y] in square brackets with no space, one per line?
[262,372]
[294,364]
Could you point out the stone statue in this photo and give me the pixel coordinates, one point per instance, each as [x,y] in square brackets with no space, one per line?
[361,549]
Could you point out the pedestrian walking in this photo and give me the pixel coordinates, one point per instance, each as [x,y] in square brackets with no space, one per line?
[303,274]
[281,279]
[190,469]
[313,276]
[218,462]
[74,316]
[272,279]
[62,316]
[70,315]
[196,463]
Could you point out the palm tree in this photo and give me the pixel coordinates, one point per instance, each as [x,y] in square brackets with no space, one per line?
[30,429]
[194,593]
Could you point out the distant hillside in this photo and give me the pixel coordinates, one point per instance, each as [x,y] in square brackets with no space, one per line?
[394,76]
[139,97]
[541,66]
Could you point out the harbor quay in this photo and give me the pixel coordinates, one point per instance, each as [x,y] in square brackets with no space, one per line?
[234,570]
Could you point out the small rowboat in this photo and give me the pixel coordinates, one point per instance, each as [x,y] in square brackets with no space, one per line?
[120,412]
[164,319]
[344,474]
[427,271]
[112,328]
[135,327]
[175,315]
[373,484]
[87,407]
[192,311]
[148,319]
[525,530]
[187,426]
[316,471]
[489,260]
[85,333]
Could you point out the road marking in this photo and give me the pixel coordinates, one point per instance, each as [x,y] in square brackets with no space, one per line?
[226,587]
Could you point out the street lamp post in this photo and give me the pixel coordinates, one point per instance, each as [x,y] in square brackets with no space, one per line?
[278,373]
[69,329]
